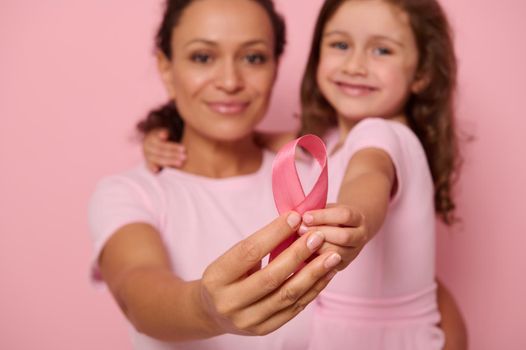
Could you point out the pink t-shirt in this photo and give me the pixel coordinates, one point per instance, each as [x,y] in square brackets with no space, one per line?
[386,298]
[199,219]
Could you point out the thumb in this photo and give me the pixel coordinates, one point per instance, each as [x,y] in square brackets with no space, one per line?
[163,134]
[247,254]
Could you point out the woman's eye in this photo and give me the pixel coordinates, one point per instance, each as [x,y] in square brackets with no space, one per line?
[340,45]
[256,58]
[382,51]
[201,58]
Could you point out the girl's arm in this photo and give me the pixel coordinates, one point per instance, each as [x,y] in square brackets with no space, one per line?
[233,295]
[160,153]
[452,322]
[362,205]
[367,186]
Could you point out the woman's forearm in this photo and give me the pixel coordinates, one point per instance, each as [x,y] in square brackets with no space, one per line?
[137,269]
[164,307]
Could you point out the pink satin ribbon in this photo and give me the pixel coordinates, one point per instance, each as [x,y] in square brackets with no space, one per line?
[286,184]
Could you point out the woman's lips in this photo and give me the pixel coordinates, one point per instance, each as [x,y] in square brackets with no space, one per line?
[355,90]
[228,108]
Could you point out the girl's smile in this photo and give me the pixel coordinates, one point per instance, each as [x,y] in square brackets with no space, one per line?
[368,60]
[355,90]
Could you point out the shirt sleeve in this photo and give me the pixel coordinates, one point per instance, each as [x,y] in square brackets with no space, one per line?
[381,134]
[116,202]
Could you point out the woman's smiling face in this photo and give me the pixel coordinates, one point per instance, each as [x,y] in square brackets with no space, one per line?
[223,67]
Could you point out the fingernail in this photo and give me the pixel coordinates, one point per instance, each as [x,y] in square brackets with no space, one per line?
[332,261]
[315,240]
[308,218]
[294,219]
[303,229]
[331,275]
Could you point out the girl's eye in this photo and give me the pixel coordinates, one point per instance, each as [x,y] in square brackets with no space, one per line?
[340,45]
[201,58]
[382,51]
[256,58]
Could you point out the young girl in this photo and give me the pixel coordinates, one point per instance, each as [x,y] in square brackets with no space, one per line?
[379,88]
[384,73]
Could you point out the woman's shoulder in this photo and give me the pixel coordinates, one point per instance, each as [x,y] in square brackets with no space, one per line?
[136,184]
[138,176]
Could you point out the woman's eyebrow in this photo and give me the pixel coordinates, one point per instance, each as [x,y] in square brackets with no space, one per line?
[256,42]
[201,41]
[214,43]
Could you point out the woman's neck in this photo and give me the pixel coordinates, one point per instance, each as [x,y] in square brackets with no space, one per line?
[220,159]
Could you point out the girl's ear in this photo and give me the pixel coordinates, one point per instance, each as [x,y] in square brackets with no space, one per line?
[164,66]
[421,82]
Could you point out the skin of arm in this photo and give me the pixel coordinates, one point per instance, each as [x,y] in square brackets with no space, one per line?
[367,187]
[452,322]
[232,295]
[159,152]
[136,268]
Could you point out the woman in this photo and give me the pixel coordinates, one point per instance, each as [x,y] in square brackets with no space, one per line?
[163,243]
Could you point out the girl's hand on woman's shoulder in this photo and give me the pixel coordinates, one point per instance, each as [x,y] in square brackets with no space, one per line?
[343,229]
[160,153]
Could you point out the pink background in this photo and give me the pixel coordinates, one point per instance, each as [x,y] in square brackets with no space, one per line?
[75,76]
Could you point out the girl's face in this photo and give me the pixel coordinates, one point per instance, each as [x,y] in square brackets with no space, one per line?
[368,60]
[223,67]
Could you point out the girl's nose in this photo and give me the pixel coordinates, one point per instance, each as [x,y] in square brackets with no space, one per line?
[356,64]
[229,78]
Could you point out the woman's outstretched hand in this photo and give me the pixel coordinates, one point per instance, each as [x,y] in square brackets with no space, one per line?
[241,301]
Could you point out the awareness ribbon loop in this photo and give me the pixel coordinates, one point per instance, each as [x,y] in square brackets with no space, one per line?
[286,185]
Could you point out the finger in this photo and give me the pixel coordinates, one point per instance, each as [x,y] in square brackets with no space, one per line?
[293,290]
[162,159]
[166,149]
[338,215]
[272,276]
[162,134]
[154,168]
[246,254]
[284,316]
[348,254]
[167,146]
[341,236]
[163,162]
[254,269]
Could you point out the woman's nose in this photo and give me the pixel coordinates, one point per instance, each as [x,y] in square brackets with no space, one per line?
[229,77]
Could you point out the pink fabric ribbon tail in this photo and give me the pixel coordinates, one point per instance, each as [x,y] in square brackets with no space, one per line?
[286,184]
